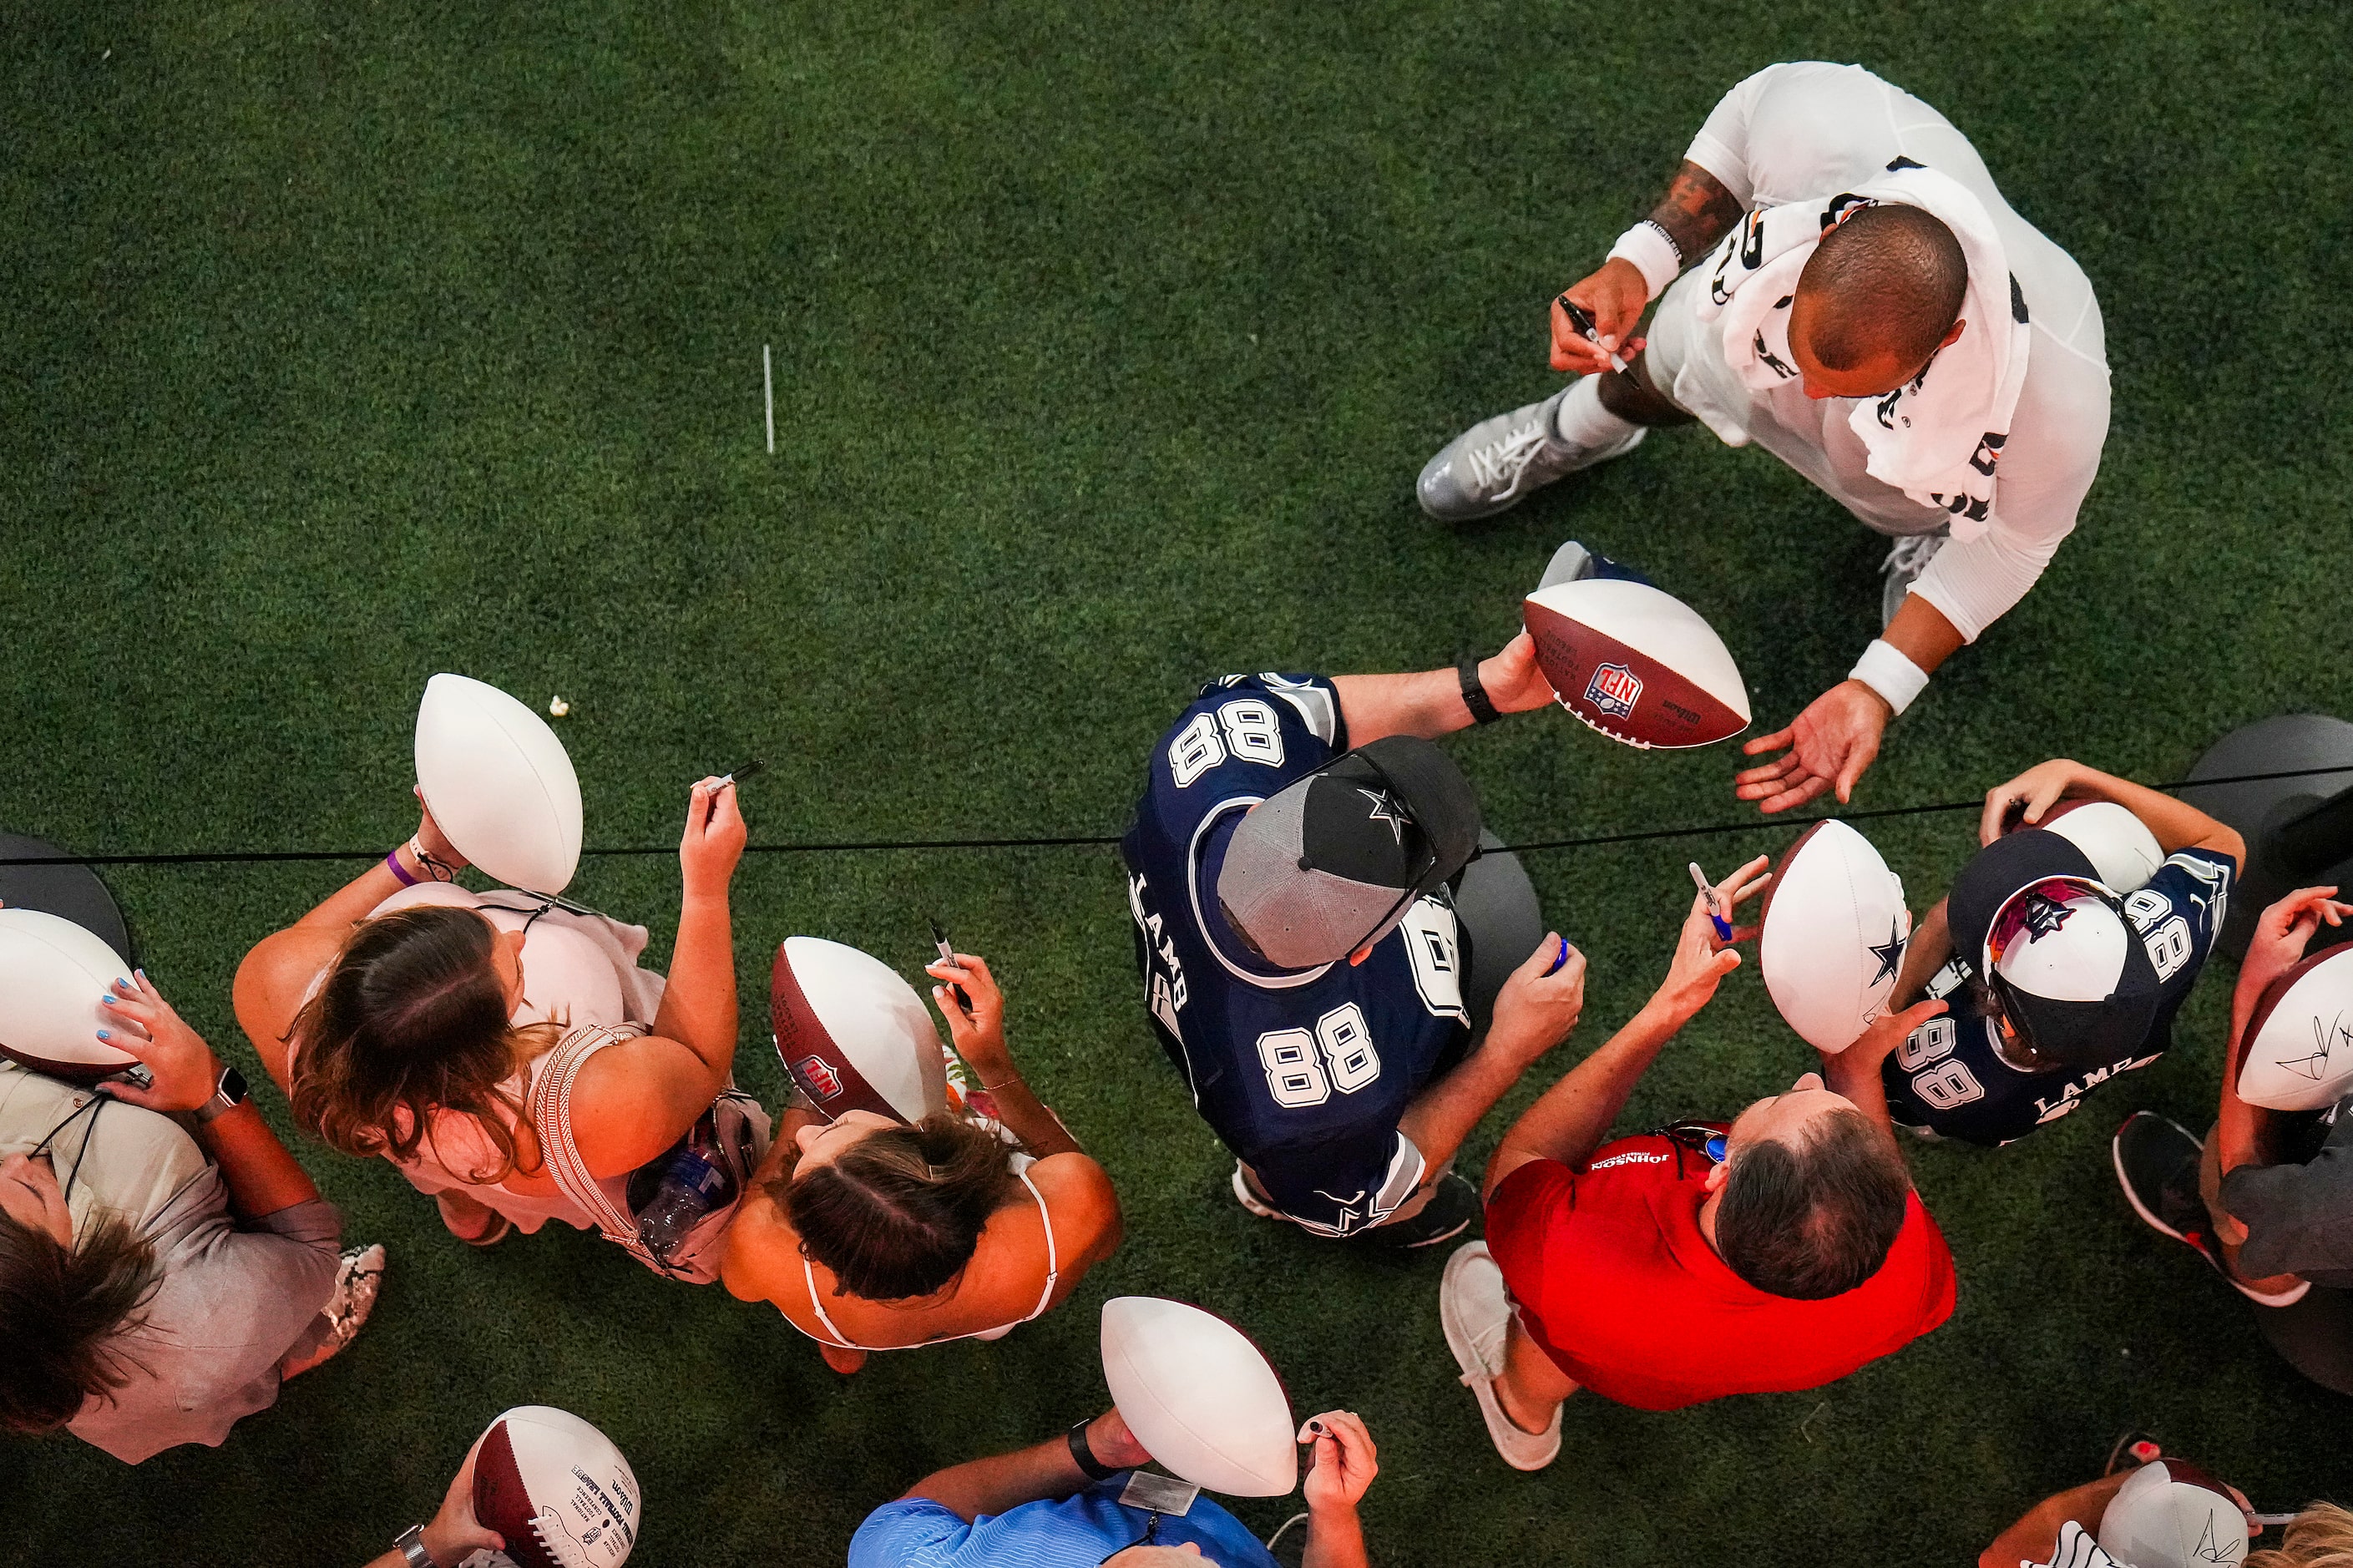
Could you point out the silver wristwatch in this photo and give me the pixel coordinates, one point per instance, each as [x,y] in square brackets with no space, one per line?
[228,1093]
[411,1546]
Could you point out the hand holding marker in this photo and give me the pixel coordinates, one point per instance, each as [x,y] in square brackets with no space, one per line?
[1715,903]
[948,955]
[1583,322]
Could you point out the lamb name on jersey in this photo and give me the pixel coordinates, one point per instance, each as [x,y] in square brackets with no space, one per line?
[1304,1074]
[1949,1079]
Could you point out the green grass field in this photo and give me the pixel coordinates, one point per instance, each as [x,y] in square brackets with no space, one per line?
[345,344]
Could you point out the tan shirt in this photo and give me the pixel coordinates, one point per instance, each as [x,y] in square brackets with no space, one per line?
[232,1298]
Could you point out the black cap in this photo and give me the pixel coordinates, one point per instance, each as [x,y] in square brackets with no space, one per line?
[1329,866]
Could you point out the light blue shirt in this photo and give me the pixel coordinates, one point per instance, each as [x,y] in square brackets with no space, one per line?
[1079,1531]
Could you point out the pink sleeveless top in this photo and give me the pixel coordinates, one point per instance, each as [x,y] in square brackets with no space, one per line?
[577,970]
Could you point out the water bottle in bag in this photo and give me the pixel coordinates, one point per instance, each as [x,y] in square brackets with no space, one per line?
[686,1184]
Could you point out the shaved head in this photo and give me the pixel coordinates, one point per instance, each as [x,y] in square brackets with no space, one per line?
[1887,284]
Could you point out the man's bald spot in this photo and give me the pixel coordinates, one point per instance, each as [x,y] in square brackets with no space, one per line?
[1886,283]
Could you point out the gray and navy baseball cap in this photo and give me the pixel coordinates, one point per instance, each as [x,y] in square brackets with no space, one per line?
[1328,866]
[2070,971]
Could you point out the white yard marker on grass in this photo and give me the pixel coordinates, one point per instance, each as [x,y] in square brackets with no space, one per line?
[769,393]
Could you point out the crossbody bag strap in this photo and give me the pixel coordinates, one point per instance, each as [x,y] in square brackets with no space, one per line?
[551,1118]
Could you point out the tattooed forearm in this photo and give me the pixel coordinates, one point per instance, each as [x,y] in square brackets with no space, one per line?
[1696,211]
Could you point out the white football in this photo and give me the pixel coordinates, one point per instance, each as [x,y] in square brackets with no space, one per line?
[499,782]
[853,1033]
[2172,1515]
[2300,1036]
[52,974]
[557,1490]
[1635,663]
[2121,848]
[1834,926]
[1200,1396]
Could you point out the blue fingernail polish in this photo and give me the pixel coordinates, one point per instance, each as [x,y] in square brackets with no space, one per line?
[106,1001]
[105,1036]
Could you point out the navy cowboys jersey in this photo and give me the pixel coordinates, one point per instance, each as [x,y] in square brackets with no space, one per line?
[1949,1077]
[1304,1074]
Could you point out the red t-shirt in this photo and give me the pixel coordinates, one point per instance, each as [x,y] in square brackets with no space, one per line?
[1617,1284]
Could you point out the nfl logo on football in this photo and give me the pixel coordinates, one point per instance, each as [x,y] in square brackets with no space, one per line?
[818,1074]
[1614,689]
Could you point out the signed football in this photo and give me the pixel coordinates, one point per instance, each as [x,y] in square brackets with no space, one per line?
[556,1489]
[2300,1036]
[2173,1515]
[1636,664]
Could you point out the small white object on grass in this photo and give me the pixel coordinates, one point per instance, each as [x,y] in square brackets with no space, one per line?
[557,706]
[769,393]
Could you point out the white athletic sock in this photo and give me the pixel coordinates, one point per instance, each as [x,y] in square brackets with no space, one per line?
[1582,422]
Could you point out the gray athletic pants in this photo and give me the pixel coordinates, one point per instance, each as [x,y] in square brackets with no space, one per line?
[1496,908]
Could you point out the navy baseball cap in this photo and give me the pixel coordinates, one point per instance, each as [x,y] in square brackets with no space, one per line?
[2053,941]
[1328,865]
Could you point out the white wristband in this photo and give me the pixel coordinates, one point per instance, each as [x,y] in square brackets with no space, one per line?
[1653,252]
[1885,671]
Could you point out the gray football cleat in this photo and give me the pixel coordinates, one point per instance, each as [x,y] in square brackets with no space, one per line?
[1490,467]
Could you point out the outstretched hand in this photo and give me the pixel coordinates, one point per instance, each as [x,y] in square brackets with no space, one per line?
[1830,746]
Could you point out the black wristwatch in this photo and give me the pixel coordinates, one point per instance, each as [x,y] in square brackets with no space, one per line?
[227,1095]
[1084,1456]
[1474,695]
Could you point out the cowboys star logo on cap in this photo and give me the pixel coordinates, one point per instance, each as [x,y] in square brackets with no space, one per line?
[2072,979]
[1385,810]
[2042,915]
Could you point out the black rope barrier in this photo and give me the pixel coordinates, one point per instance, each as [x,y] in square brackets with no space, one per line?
[1589,841]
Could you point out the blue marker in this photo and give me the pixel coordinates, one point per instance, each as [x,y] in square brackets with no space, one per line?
[1559,958]
[1715,903]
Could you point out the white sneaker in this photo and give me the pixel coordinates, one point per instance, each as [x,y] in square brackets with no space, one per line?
[359,1278]
[1907,559]
[1477,1317]
[1494,464]
[1251,1200]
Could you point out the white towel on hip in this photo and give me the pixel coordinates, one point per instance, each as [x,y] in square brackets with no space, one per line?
[1938,437]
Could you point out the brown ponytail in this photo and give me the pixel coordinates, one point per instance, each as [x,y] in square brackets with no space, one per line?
[900,1212]
[412,1020]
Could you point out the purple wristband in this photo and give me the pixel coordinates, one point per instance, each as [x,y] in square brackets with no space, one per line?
[392,864]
